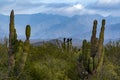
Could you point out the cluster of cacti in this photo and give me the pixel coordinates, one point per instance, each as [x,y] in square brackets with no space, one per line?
[67,44]
[18,50]
[92,52]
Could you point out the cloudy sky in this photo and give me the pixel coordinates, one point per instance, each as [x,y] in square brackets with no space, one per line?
[62,7]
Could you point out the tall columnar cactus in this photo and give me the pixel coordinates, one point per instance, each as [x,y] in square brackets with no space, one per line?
[94,42]
[70,42]
[68,45]
[15,35]
[86,53]
[100,54]
[64,40]
[12,40]
[92,54]
[90,69]
[18,57]
[93,39]
[64,43]
[22,53]
[28,32]
[17,51]
[25,48]
[101,39]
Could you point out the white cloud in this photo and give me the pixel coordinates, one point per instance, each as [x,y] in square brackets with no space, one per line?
[74,8]
[30,8]
[70,10]
[78,6]
[101,7]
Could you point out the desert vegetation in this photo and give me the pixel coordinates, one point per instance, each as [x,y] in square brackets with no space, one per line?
[94,60]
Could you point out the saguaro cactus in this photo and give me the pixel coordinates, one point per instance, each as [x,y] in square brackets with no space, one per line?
[70,41]
[94,42]
[64,40]
[93,39]
[101,39]
[25,48]
[18,57]
[100,54]
[92,54]
[28,32]
[64,43]
[17,51]
[68,45]
[91,65]
[12,40]
[86,53]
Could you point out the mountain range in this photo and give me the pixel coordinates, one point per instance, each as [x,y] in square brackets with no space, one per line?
[49,26]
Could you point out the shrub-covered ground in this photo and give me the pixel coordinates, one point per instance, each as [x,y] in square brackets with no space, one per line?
[48,62]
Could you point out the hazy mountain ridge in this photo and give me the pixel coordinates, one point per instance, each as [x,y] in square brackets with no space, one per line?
[48,26]
[58,42]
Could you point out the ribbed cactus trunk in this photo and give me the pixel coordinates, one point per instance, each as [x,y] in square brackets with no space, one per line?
[101,40]
[18,58]
[100,53]
[94,41]
[84,51]
[11,60]
[23,58]
[86,54]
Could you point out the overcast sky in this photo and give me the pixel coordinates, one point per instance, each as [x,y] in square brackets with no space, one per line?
[62,7]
